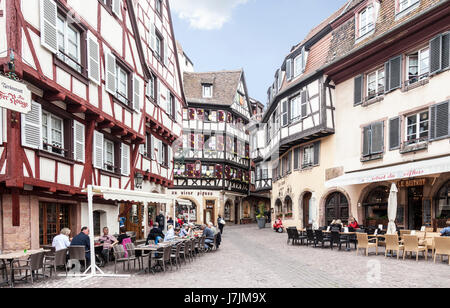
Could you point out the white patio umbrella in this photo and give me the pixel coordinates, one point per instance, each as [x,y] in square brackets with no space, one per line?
[392,209]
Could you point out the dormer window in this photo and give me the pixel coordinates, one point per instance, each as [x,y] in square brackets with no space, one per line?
[405,4]
[300,63]
[207,90]
[366,20]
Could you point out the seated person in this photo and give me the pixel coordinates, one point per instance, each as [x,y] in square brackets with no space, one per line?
[209,237]
[278,225]
[155,234]
[61,241]
[446,230]
[82,239]
[108,241]
[353,224]
[211,226]
[123,235]
[170,236]
[184,231]
[336,225]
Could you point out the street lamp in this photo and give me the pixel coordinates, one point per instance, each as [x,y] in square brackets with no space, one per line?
[138,179]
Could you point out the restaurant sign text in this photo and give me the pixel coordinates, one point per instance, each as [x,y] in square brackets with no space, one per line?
[14,95]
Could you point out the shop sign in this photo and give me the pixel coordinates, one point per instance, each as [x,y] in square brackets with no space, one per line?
[14,95]
[411,183]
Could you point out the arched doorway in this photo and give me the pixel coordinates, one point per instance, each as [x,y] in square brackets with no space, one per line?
[443,202]
[288,208]
[189,212]
[227,211]
[336,207]
[375,206]
[278,208]
[305,208]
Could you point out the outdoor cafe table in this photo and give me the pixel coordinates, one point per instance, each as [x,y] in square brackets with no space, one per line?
[17,255]
[346,234]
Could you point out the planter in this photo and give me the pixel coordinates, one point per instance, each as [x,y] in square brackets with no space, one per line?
[261,223]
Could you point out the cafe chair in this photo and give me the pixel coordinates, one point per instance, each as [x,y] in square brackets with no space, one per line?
[337,240]
[175,254]
[442,247]
[78,253]
[34,263]
[164,258]
[320,238]
[184,252]
[365,243]
[121,256]
[393,244]
[411,243]
[310,238]
[59,259]
[132,256]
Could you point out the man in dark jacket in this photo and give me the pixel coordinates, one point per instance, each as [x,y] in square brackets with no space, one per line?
[155,235]
[82,239]
[160,220]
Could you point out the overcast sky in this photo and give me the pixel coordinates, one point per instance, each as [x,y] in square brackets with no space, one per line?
[254,35]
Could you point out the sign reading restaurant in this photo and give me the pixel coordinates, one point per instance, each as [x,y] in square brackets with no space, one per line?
[14,95]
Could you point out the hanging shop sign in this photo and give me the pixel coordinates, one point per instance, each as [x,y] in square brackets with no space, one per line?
[411,183]
[14,95]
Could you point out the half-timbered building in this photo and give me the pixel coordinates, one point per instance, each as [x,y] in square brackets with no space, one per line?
[106,107]
[212,161]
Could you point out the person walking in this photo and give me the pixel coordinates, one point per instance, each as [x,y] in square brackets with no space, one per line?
[221,223]
[160,220]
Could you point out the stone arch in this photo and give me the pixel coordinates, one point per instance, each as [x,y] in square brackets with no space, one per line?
[278,207]
[288,207]
[365,193]
[323,201]
[304,221]
[197,207]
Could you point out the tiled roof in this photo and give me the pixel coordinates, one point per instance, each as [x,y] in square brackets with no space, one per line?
[225,85]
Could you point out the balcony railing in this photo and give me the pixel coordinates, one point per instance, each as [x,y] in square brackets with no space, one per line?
[414,145]
[415,79]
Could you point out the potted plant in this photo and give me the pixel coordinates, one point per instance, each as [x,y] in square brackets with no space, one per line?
[261,218]
[288,215]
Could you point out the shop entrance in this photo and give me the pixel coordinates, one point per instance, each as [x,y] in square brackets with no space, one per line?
[208,215]
[306,200]
[415,213]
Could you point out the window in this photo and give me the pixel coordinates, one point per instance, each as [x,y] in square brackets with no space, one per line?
[69,44]
[417,127]
[151,87]
[52,133]
[108,155]
[158,45]
[122,84]
[373,139]
[375,83]
[298,65]
[284,113]
[366,20]
[172,107]
[53,217]
[158,6]
[308,156]
[295,109]
[165,155]
[207,90]
[418,65]
[404,4]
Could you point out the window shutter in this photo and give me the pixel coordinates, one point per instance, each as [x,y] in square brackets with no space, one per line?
[367,140]
[153,36]
[304,107]
[303,59]
[94,59]
[435,55]
[316,153]
[142,149]
[432,133]
[166,51]
[79,141]
[49,33]
[169,156]
[446,51]
[116,7]
[296,158]
[285,113]
[1,125]
[358,90]
[395,70]
[98,150]
[137,94]
[377,145]
[289,69]
[394,133]
[152,148]
[387,79]
[160,152]
[158,93]
[442,120]
[31,127]
[110,70]
[125,163]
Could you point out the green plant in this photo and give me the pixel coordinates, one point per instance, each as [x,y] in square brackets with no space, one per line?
[261,208]
[370,218]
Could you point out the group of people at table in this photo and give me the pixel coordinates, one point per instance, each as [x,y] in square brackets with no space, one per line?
[107,241]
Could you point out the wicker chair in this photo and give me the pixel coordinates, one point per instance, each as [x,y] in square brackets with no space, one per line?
[393,244]
[78,253]
[310,238]
[165,257]
[365,243]
[34,263]
[442,247]
[337,239]
[184,252]
[121,257]
[131,250]
[320,238]
[59,259]
[175,254]
[411,243]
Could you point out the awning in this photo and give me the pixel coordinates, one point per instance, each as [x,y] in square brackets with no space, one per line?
[122,195]
[404,171]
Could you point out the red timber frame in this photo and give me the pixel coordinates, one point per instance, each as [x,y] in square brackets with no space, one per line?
[14,156]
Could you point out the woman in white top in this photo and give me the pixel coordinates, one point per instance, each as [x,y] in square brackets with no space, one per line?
[62,241]
[170,236]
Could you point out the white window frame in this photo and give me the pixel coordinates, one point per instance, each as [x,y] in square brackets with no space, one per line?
[377,74]
[107,142]
[49,130]
[209,93]
[296,109]
[123,97]
[76,62]
[418,124]
[405,4]
[298,65]
[420,75]
[158,45]
[308,156]
[369,14]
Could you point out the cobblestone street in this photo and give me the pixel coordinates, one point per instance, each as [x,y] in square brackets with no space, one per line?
[252,258]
